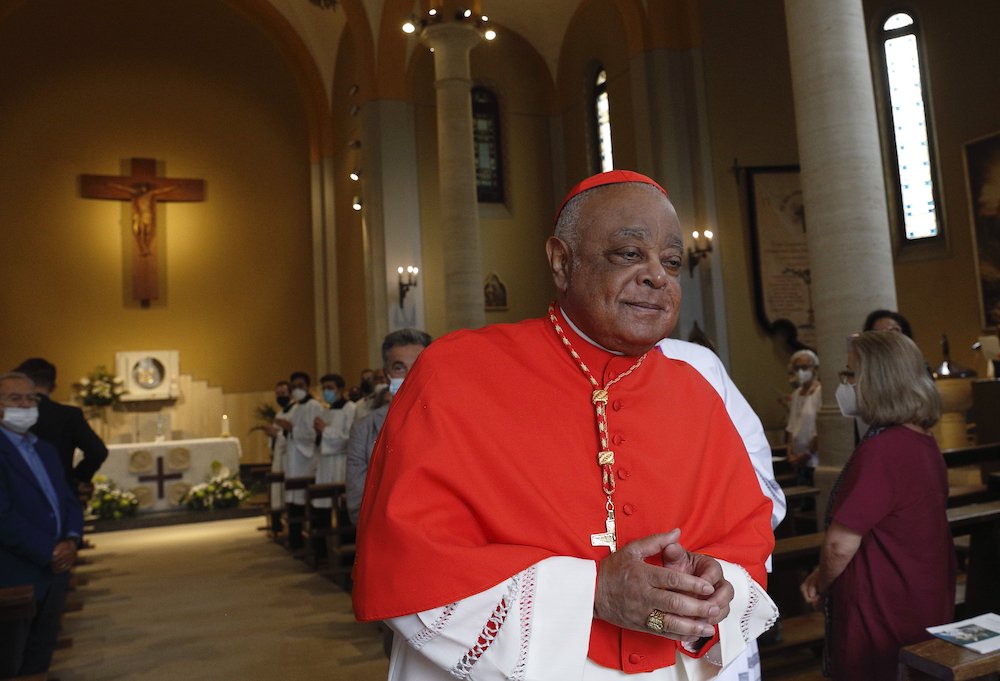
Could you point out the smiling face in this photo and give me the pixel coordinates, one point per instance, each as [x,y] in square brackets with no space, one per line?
[620,282]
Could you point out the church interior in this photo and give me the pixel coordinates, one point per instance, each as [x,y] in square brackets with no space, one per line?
[238,187]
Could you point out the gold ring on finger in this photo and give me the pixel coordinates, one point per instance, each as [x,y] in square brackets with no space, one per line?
[655,621]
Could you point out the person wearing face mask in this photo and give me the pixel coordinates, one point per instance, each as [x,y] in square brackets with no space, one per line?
[887,566]
[333,427]
[804,404]
[279,449]
[399,351]
[41,523]
[300,459]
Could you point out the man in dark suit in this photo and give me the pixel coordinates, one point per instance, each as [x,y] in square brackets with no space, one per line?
[65,428]
[40,526]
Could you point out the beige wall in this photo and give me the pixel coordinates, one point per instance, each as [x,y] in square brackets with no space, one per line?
[86,85]
[595,36]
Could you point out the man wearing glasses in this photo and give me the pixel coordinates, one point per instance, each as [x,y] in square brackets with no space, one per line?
[40,525]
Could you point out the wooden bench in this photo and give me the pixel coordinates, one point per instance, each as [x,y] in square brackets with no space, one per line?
[937,659]
[801,631]
[295,518]
[319,520]
[17,602]
[340,544]
[272,517]
[982,523]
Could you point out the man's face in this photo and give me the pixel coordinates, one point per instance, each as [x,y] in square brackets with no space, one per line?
[330,385]
[300,384]
[17,392]
[622,285]
[281,391]
[401,359]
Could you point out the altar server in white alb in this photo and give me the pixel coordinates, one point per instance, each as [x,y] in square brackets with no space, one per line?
[302,442]
[333,427]
[279,449]
[558,499]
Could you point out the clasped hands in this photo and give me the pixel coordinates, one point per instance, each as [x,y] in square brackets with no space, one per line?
[63,556]
[689,589]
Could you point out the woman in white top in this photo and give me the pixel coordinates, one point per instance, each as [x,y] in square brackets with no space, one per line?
[804,404]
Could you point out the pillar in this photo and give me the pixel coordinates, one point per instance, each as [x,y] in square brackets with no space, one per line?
[847,222]
[463,278]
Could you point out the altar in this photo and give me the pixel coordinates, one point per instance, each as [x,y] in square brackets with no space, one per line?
[160,473]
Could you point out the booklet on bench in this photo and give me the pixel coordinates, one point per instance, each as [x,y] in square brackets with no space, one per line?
[980,634]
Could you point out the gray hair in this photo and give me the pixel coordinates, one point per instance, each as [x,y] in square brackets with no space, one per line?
[893,384]
[799,354]
[403,337]
[15,375]
[568,223]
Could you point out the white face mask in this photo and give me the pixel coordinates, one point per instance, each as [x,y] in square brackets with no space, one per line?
[394,385]
[804,375]
[299,394]
[20,419]
[847,399]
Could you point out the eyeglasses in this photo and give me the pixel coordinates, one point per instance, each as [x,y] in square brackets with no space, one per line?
[17,398]
[845,376]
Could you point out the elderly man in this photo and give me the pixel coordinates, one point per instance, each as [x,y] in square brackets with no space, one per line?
[399,351]
[64,427]
[40,525]
[551,499]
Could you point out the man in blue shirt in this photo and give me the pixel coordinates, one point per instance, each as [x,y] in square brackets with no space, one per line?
[40,526]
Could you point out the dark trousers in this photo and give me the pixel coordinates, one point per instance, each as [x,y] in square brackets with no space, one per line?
[26,646]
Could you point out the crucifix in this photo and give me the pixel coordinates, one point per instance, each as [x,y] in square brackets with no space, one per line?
[606,538]
[160,477]
[143,189]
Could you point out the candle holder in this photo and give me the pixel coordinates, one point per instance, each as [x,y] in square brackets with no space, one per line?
[700,248]
[407,280]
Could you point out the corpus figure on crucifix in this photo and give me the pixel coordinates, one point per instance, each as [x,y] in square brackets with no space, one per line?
[584,499]
[143,211]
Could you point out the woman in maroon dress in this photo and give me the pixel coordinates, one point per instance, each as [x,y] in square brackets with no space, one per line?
[887,567]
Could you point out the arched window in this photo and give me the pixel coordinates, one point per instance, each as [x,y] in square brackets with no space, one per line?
[486,140]
[602,119]
[909,138]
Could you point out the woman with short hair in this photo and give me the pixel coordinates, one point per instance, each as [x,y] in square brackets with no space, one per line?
[887,566]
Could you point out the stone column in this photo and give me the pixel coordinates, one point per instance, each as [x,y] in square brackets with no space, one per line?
[463,279]
[847,223]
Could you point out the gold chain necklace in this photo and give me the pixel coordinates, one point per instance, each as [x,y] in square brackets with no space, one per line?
[605,457]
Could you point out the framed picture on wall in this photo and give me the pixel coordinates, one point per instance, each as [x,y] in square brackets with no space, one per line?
[782,278]
[982,165]
[495,292]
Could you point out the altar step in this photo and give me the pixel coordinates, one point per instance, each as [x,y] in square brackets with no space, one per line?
[173,517]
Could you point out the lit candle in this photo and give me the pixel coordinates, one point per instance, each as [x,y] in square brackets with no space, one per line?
[225,425]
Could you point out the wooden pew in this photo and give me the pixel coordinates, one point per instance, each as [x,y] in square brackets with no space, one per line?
[982,523]
[937,659]
[319,520]
[295,519]
[17,602]
[340,543]
[273,518]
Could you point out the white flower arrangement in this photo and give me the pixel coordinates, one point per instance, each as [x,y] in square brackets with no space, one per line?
[109,502]
[99,388]
[222,490]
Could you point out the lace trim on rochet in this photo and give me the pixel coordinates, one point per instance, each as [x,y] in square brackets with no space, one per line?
[489,632]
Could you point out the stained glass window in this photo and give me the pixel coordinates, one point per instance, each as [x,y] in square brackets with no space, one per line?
[486,140]
[602,116]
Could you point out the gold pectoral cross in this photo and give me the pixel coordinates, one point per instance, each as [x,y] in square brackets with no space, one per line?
[607,538]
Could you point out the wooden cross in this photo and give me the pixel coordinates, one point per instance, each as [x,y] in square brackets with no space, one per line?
[143,189]
[607,538]
[160,477]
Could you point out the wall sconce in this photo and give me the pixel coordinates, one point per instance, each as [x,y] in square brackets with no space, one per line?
[700,248]
[407,280]
[356,203]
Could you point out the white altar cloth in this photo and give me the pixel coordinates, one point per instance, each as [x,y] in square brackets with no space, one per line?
[160,473]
